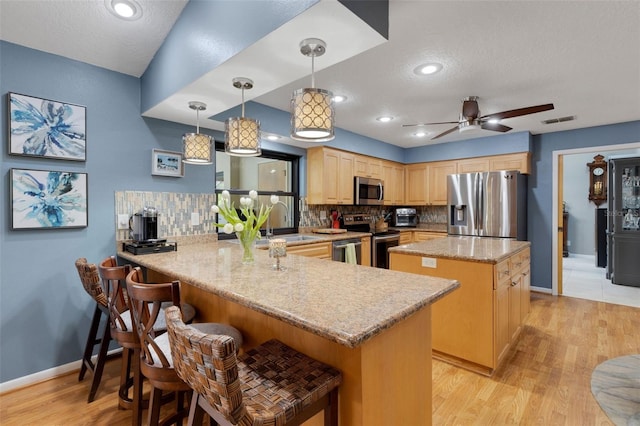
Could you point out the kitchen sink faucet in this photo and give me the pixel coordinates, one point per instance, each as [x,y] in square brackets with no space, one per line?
[269,232]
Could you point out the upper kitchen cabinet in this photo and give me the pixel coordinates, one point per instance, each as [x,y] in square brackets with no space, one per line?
[329,176]
[519,161]
[438,172]
[416,189]
[367,167]
[393,178]
[495,163]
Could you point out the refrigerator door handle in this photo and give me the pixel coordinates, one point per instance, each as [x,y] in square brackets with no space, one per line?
[480,204]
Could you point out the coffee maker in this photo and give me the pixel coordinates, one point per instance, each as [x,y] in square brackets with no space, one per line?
[143,225]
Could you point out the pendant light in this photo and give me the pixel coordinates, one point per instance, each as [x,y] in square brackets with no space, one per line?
[242,135]
[196,146]
[312,111]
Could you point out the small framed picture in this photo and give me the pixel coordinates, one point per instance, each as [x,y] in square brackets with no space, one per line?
[48,199]
[166,163]
[48,129]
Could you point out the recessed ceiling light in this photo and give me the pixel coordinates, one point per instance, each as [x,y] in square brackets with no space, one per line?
[385,118]
[339,98]
[128,10]
[428,69]
[420,134]
[273,137]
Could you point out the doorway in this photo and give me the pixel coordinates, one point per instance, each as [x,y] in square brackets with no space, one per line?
[578,275]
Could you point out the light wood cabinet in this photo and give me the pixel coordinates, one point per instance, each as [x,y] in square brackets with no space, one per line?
[470,165]
[426,235]
[519,161]
[437,181]
[476,325]
[416,189]
[318,250]
[365,259]
[367,167]
[406,237]
[393,178]
[329,176]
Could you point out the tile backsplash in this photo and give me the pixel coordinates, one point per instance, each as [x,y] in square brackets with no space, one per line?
[175,210]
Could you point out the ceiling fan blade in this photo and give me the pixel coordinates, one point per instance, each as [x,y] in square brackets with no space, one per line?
[518,112]
[496,127]
[470,109]
[428,124]
[453,129]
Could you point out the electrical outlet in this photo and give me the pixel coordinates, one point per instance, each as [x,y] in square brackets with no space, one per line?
[195,219]
[123,221]
[323,214]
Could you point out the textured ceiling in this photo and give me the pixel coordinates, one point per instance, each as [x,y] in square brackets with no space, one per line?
[583,56]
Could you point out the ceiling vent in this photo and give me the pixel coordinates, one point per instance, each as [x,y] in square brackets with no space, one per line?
[559,120]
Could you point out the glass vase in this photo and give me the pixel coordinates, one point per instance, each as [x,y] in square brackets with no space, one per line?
[248,244]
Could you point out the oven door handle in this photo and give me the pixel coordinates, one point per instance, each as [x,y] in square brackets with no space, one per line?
[387,238]
[345,245]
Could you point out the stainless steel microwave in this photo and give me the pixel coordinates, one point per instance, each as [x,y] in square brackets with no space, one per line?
[368,191]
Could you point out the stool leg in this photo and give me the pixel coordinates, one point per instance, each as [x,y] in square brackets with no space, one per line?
[331,412]
[125,372]
[102,357]
[196,413]
[91,342]
[155,401]
[136,418]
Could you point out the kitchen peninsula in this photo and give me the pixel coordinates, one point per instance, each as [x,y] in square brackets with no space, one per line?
[475,326]
[372,324]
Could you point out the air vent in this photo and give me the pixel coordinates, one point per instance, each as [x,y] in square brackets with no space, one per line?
[559,120]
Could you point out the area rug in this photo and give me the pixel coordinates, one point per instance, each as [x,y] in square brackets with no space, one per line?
[615,384]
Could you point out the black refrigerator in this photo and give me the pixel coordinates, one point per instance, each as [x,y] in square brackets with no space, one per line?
[624,221]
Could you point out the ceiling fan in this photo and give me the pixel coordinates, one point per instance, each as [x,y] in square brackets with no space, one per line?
[470,117]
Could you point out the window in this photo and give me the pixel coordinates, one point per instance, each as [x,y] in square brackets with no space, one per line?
[272,173]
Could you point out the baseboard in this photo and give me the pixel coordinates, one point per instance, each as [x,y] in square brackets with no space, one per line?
[542,290]
[51,373]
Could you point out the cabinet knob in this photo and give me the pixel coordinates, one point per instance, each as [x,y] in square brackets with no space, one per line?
[514,283]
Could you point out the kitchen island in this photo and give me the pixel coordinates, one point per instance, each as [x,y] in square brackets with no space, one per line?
[475,326]
[372,324]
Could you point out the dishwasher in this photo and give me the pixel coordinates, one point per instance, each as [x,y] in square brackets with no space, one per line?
[339,249]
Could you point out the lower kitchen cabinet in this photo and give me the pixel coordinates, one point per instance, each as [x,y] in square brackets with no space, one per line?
[319,250]
[475,326]
[427,235]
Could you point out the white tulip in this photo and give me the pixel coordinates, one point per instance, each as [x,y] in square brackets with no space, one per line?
[228,228]
[253,194]
[274,199]
[245,201]
[225,195]
[239,227]
[215,209]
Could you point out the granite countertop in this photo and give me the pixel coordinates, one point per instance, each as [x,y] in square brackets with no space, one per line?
[348,304]
[474,249]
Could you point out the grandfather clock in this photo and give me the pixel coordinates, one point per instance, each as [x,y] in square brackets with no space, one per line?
[598,180]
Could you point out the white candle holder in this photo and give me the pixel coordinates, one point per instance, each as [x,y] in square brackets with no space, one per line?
[277,249]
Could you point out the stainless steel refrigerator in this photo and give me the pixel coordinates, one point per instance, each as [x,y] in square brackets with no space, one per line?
[624,221]
[491,204]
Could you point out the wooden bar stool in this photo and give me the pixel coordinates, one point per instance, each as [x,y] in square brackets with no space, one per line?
[120,319]
[271,384]
[90,279]
[156,364]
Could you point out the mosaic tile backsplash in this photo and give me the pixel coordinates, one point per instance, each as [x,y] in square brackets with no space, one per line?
[175,209]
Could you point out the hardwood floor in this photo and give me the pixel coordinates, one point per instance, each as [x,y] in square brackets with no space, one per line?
[545,380]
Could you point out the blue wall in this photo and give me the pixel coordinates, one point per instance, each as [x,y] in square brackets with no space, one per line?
[44,312]
[540,196]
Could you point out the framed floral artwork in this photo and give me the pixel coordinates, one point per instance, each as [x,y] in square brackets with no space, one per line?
[44,128]
[166,163]
[47,199]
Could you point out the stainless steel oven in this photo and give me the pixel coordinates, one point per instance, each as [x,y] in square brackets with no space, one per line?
[380,244]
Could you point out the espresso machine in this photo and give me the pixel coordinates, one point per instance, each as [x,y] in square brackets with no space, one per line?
[143,226]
